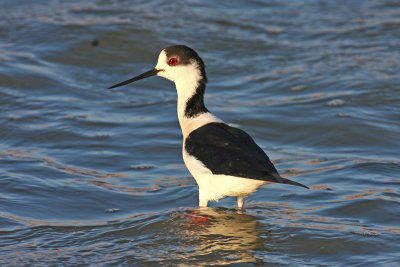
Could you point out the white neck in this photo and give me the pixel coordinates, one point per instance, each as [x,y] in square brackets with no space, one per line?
[187,79]
[186,88]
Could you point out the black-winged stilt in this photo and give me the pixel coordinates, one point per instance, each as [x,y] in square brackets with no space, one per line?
[224,160]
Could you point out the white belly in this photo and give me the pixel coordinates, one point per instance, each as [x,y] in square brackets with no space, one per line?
[214,187]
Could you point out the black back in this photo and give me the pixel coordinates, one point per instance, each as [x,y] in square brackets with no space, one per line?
[230,151]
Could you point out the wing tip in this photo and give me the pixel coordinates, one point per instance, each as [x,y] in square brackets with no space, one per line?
[298,184]
[287,181]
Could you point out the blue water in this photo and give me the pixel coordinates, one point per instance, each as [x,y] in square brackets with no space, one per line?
[95,177]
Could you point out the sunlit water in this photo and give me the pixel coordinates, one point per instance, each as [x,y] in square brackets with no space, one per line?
[95,177]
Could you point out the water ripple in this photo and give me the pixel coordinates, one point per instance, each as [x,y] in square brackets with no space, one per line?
[93,176]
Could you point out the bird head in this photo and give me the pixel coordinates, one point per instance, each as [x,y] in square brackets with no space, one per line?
[177,63]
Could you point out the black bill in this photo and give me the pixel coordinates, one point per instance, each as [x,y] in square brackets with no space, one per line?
[139,77]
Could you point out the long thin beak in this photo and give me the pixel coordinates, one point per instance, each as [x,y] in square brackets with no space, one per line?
[139,77]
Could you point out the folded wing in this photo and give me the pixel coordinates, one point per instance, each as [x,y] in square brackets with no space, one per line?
[230,151]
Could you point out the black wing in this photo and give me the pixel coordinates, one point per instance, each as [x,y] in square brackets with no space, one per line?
[227,150]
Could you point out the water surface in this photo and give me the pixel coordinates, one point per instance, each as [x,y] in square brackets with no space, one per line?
[95,177]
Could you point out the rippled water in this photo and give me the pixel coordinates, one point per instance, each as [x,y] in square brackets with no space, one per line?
[95,177]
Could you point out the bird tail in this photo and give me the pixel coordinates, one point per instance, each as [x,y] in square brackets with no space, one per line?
[287,181]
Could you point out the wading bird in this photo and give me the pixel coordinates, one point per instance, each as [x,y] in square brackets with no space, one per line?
[224,160]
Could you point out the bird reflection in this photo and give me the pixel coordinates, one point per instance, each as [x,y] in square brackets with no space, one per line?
[222,235]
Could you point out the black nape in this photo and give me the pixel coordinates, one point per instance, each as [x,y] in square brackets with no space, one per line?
[195,105]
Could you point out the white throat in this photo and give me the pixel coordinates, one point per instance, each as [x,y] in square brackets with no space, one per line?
[186,86]
[187,80]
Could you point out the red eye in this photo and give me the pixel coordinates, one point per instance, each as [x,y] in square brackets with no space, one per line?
[173,61]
